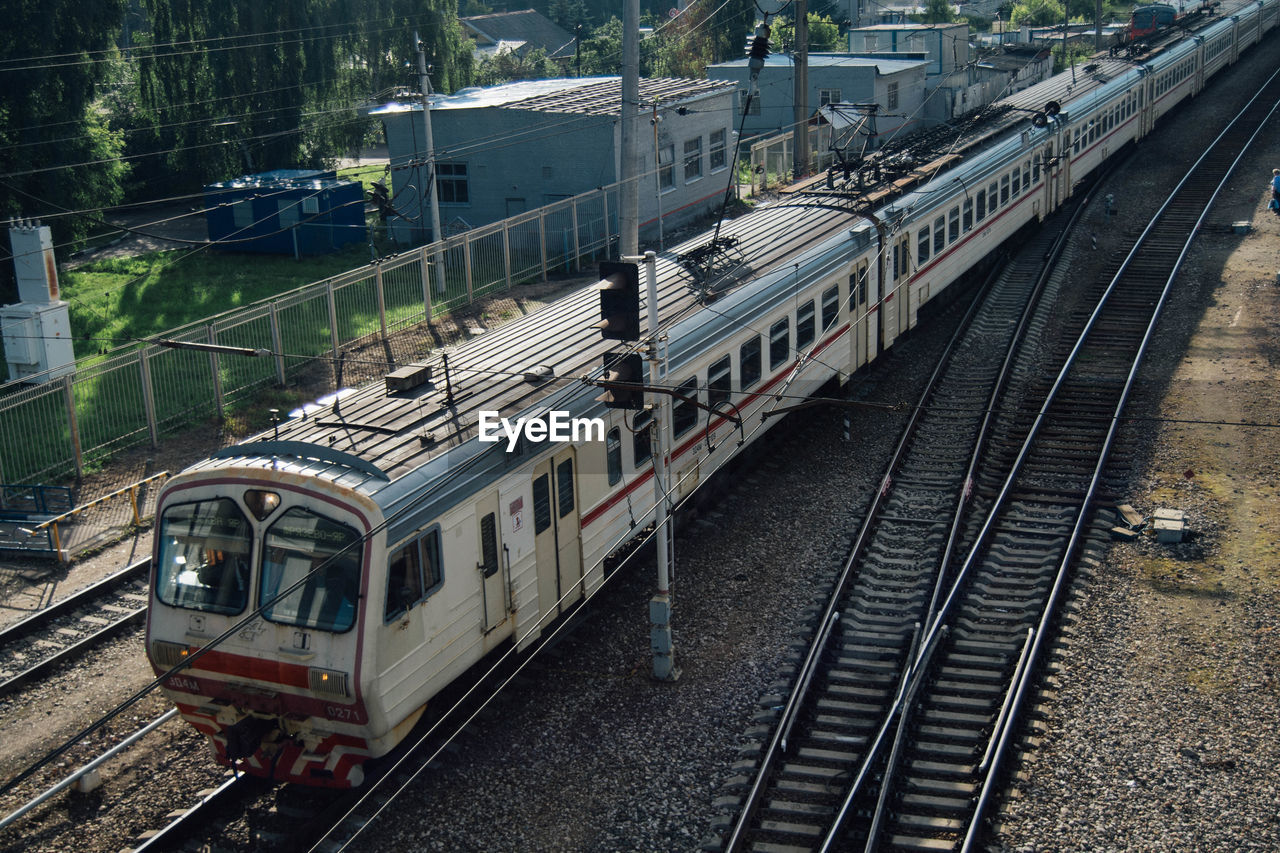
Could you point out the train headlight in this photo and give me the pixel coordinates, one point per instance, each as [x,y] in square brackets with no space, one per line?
[261,503]
[169,655]
[327,681]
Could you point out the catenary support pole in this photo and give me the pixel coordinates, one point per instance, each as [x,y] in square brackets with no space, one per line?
[430,185]
[660,639]
[629,189]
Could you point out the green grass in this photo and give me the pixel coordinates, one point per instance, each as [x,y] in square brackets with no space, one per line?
[119,300]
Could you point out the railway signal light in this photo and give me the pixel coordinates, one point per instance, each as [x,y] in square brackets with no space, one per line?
[623,367]
[619,301]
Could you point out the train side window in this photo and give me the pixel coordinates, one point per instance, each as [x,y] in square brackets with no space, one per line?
[780,343]
[953,224]
[830,307]
[1026,175]
[542,503]
[432,563]
[641,448]
[749,362]
[489,544]
[564,486]
[993,196]
[1004,190]
[864,273]
[804,325]
[939,234]
[684,414]
[968,215]
[922,245]
[404,580]
[719,381]
[982,204]
[613,455]
[1017,181]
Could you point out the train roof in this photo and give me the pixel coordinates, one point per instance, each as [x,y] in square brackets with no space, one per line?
[373,437]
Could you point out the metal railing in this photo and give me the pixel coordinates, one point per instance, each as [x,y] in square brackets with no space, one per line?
[771,160]
[134,395]
[101,519]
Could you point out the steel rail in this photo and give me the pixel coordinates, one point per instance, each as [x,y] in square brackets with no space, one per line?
[831,613]
[39,621]
[1114,425]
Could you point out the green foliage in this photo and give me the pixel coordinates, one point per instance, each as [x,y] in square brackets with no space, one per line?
[824,34]
[118,300]
[1037,13]
[508,66]
[229,87]
[938,12]
[57,150]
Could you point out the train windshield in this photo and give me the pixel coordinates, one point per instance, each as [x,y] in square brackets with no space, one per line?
[302,544]
[204,556]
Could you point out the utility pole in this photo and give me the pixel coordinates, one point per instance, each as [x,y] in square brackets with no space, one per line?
[430,183]
[629,190]
[660,639]
[800,137]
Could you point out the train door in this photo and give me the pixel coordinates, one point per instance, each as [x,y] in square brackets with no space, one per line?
[492,566]
[861,345]
[556,529]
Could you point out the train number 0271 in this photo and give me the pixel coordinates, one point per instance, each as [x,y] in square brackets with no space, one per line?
[345,714]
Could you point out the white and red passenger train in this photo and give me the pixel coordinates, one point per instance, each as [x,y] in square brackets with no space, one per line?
[421,549]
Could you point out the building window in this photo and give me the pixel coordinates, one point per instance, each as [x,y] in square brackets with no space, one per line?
[693,159]
[613,455]
[749,362]
[666,167]
[451,183]
[828,96]
[892,96]
[750,106]
[719,158]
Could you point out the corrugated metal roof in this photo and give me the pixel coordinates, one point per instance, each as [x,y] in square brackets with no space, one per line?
[581,95]
[527,27]
[833,60]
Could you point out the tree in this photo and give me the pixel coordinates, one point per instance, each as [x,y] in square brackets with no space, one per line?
[509,65]
[1037,13]
[58,151]
[824,34]
[227,88]
[938,12]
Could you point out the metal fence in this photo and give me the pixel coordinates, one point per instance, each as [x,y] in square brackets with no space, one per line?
[134,396]
[772,163]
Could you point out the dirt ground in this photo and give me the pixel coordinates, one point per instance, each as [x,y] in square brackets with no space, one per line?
[1161,735]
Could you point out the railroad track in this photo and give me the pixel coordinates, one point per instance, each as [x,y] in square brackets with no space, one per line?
[61,632]
[895,733]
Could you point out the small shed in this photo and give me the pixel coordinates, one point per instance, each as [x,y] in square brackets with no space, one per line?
[285,212]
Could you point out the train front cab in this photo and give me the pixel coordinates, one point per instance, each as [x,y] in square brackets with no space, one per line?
[281,697]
